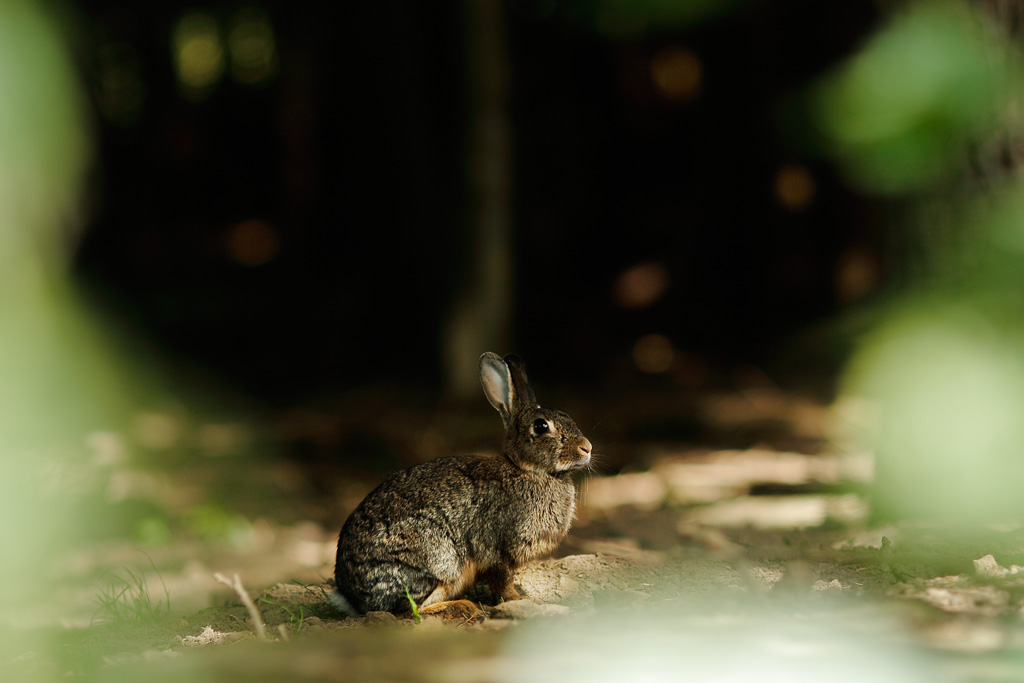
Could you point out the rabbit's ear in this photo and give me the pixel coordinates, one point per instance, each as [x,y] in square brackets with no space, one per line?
[497,383]
[522,393]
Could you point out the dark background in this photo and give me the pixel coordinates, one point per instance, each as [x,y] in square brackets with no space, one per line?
[345,171]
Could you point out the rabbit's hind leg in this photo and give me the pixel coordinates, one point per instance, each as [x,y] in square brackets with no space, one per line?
[456,579]
[441,600]
[500,581]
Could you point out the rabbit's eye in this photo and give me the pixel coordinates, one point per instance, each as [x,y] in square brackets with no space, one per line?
[540,426]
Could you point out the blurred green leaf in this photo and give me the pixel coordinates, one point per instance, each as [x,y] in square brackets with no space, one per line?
[214,524]
[896,115]
[1004,219]
[43,143]
[50,376]
[950,379]
[154,531]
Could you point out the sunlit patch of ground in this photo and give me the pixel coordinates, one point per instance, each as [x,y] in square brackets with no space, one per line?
[703,544]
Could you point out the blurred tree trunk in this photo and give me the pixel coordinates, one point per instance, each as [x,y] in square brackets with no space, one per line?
[479,318]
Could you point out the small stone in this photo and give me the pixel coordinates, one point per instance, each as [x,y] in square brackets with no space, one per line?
[211,636]
[987,566]
[833,585]
[527,609]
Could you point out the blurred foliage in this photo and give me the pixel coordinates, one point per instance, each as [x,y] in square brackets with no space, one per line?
[898,115]
[214,524]
[1002,220]
[43,153]
[43,142]
[945,364]
[153,531]
[664,643]
[53,375]
[950,376]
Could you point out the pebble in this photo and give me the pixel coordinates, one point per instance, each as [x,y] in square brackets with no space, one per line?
[527,609]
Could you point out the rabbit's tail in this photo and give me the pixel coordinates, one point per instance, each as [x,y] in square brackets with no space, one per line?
[342,605]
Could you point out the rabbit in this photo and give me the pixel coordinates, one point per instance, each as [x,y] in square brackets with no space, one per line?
[430,532]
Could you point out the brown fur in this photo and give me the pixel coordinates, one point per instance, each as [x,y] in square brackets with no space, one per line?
[438,528]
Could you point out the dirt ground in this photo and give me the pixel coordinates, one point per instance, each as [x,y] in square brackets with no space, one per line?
[688,561]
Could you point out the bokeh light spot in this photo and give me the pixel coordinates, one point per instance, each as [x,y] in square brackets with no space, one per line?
[641,286]
[794,187]
[857,273]
[676,73]
[198,53]
[653,354]
[252,243]
[252,47]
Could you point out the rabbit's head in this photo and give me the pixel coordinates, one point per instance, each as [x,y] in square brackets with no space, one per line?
[536,439]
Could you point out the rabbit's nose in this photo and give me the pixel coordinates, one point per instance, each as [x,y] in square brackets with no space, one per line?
[585,447]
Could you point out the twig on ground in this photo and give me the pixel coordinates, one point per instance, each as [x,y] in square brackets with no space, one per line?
[235,583]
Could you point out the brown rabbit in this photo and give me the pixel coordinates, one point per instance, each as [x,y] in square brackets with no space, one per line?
[436,529]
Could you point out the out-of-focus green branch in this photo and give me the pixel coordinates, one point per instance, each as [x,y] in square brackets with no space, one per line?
[57,381]
[904,117]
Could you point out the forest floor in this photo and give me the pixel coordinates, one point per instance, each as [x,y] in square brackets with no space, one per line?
[703,553]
